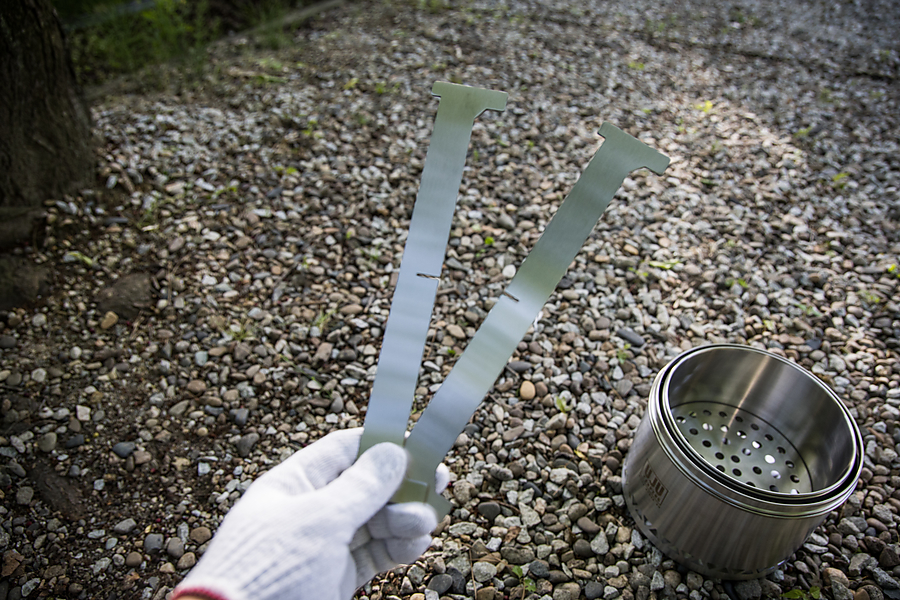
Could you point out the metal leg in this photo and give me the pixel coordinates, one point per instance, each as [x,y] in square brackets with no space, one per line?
[423,257]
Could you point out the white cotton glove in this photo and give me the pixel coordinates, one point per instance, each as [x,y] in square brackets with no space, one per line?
[316,527]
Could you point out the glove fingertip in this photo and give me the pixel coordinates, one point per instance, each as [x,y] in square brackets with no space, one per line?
[406,551]
[390,460]
[441,478]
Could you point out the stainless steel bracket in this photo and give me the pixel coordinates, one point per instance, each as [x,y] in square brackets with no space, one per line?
[423,256]
[489,350]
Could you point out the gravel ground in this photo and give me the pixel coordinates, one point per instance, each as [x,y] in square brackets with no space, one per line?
[219,298]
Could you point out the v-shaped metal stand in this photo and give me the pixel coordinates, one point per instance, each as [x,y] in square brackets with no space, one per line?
[495,341]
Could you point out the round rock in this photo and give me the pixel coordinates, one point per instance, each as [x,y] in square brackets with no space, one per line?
[526,391]
[440,583]
[582,548]
[188,560]
[175,548]
[489,510]
[133,559]
[200,535]
[47,442]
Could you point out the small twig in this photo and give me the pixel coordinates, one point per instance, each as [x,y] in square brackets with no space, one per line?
[509,506]
[134,327]
[430,345]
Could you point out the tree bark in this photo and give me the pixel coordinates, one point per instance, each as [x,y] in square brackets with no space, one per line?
[46,148]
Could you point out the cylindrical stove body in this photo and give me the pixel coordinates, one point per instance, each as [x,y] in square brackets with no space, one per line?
[740,456]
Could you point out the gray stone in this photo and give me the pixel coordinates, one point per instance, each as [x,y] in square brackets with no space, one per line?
[74,441]
[539,569]
[888,559]
[7,342]
[125,526]
[489,510]
[884,580]
[519,366]
[440,583]
[500,473]
[587,526]
[416,575]
[24,495]
[246,443]
[241,416]
[179,408]
[841,591]
[463,491]
[153,543]
[175,548]
[748,590]
[123,449]
[600,545]
[582,548]
[460,529]
[513,433]
[517,555]
[483,571]
[860,562]
[576,511]
[558,576]
[567,591]
[631,337]
[461,564]
[593,590]
[47,442]
[29,586]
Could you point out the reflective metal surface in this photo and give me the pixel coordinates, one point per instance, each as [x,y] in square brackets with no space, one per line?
[494,342]
[423,256]
[740,456]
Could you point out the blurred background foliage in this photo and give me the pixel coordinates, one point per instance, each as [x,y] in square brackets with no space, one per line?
[108,38]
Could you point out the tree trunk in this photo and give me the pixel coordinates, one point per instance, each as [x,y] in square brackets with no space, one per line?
[45,130]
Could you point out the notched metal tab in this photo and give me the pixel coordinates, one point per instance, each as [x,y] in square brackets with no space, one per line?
[636,151]
[469,99]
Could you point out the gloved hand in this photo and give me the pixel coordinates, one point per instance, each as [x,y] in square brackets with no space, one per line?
[316,527]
